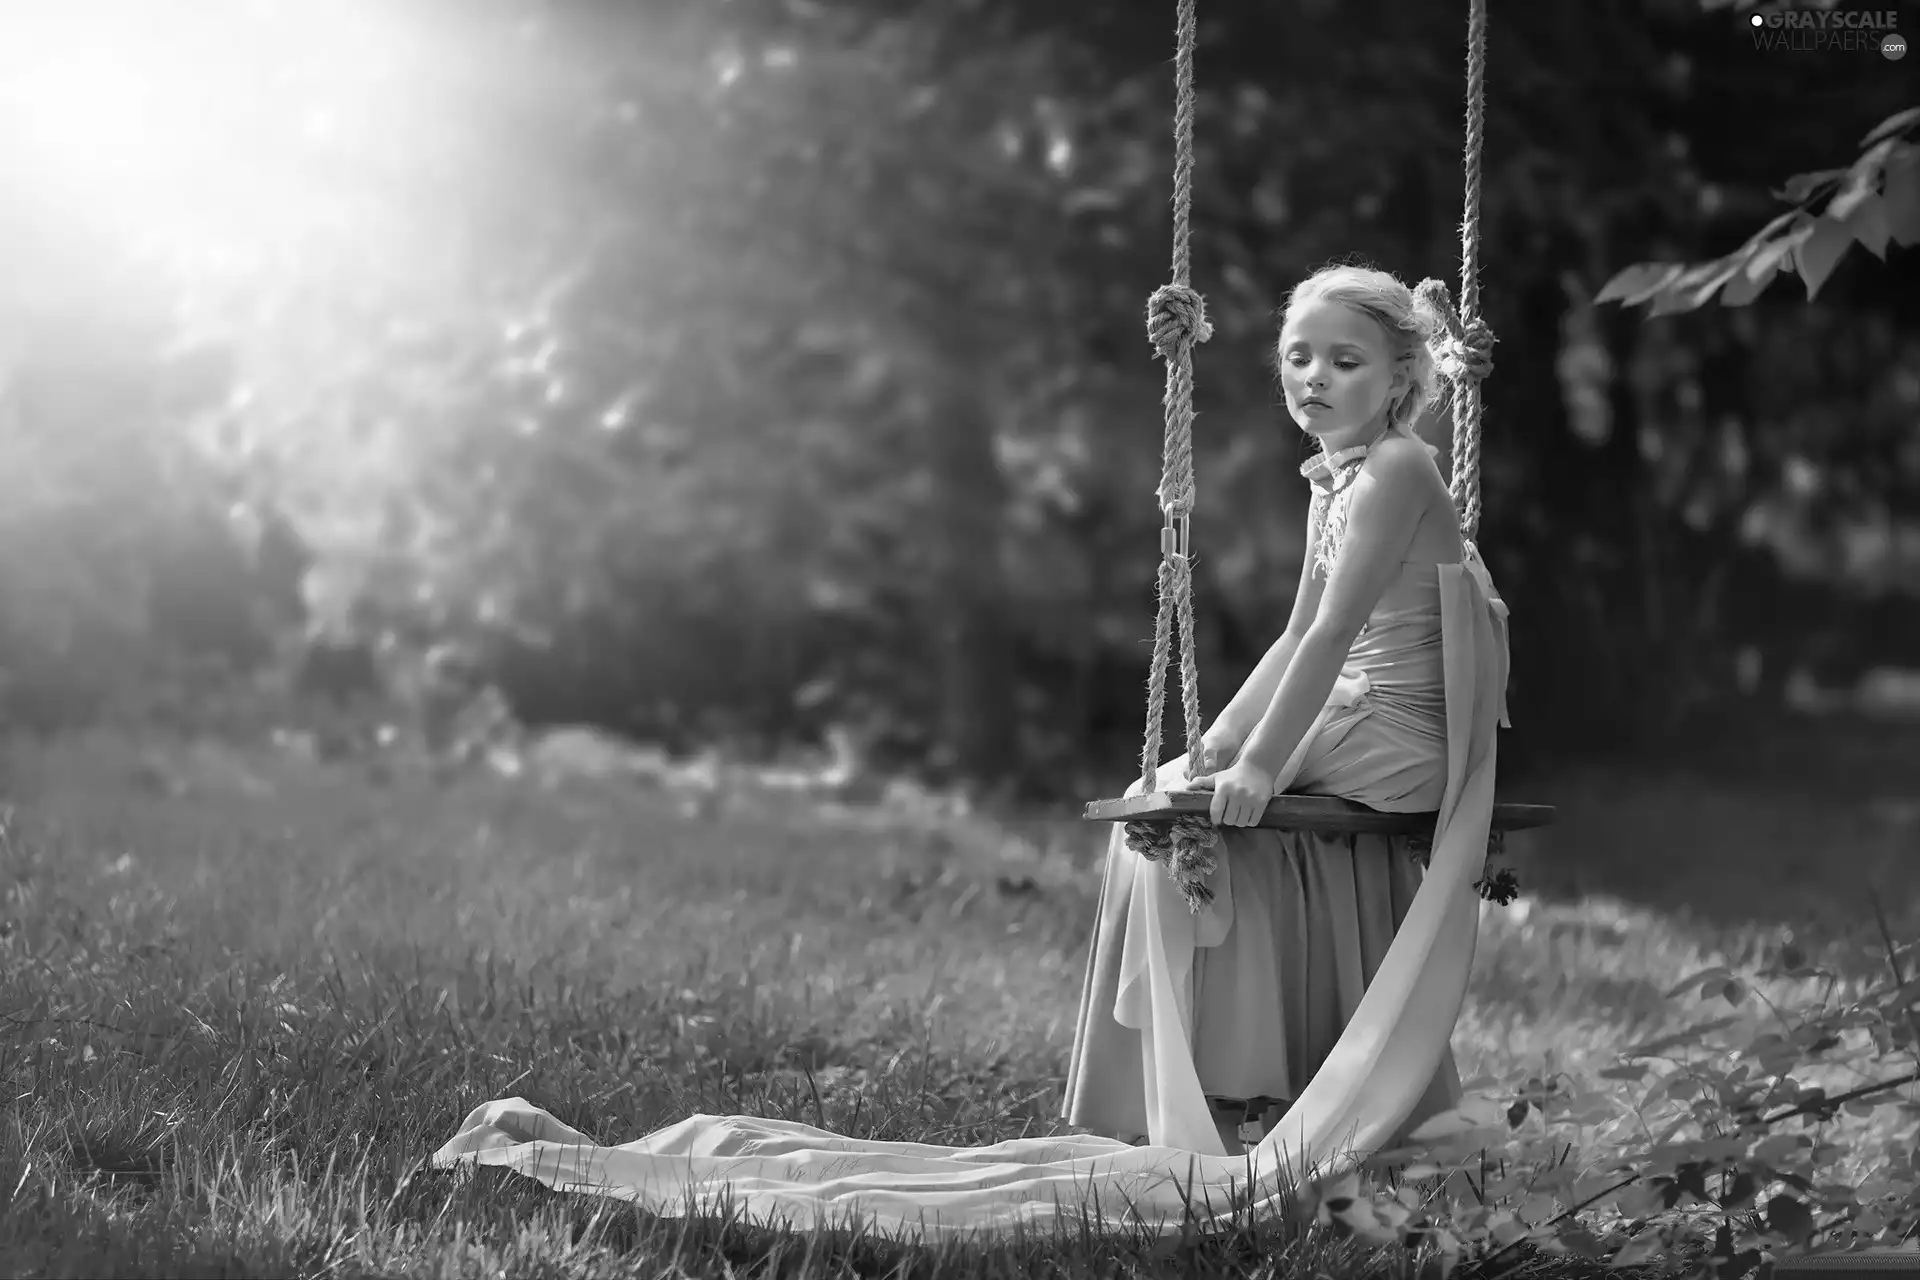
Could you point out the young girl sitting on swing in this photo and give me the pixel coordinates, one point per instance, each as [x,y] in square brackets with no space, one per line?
[1385,688]
[1350,701]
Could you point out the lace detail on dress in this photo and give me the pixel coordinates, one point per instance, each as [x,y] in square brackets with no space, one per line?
[1332,477]
[1333,507]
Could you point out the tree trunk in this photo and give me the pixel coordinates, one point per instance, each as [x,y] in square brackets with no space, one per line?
[968,600]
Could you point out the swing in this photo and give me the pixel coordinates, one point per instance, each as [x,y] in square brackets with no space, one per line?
[1162,820]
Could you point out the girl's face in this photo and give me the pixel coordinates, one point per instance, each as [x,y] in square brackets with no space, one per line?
[1338,372]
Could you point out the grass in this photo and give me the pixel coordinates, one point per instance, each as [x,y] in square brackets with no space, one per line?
[244,998]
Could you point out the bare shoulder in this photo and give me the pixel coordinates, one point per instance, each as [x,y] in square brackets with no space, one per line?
[1409,476]
[1401,490]
[1401,463]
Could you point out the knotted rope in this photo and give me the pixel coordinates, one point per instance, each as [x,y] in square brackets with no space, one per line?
[1176,321]
[1186,846]
[1464,358]
[1467,325]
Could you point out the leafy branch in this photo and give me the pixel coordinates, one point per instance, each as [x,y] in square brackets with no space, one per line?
[1739,1156]
[1874,201]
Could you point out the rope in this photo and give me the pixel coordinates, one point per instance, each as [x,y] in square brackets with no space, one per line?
[1466,400]
[1176,321]
[1464,359]
[1186,846]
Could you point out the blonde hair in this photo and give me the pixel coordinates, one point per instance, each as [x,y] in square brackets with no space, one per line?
[1412,325]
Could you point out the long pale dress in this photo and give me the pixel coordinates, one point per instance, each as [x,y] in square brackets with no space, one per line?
[1380,1069]
[1282,962]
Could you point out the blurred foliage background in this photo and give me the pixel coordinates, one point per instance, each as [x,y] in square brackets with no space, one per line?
[745,370]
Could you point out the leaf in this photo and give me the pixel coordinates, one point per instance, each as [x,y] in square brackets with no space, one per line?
[1484,1112]
[1901,194]
[1695,286]
[1538,1208]
[1780,1146]
[1747,285]
[1598,1112]
[1776,252]
[1589,1185]
[1641,1200]
[1643,1248]
[1877,1185]
[1898,122]
[1906,997]
[1580,1241]
[1687,1035]
[1718,1151]
[1798,1182]
[1342,1189]
[1693,1180]
[1801,187]
[1862,180]
[1638,282]
[1858,189]
[1498,1188]
[1816,257]
[1718,973]
[1789,1217]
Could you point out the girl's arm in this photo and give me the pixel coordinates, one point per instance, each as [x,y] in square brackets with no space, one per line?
[1241,714]
[1389,499]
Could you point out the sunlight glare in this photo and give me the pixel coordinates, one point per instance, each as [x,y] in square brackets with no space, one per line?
[219,124]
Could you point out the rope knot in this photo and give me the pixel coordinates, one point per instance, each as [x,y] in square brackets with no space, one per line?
[1186,846]
[1469,356]
[1464,351]
[1176,314]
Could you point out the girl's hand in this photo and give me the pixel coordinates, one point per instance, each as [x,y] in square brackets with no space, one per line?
[1240,795]
[1218,748]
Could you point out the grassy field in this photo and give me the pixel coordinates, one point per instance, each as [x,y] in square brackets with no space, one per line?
[245,997]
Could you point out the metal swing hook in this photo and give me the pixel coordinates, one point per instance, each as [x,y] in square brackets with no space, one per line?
[1176,532]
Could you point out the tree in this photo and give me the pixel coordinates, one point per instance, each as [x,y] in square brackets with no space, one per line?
[757,366]
[780,284]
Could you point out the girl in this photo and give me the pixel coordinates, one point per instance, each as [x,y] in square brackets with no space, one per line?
[1350,701]
[1385,688]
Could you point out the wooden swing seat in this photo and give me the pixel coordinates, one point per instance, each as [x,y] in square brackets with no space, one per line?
[1327,814]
